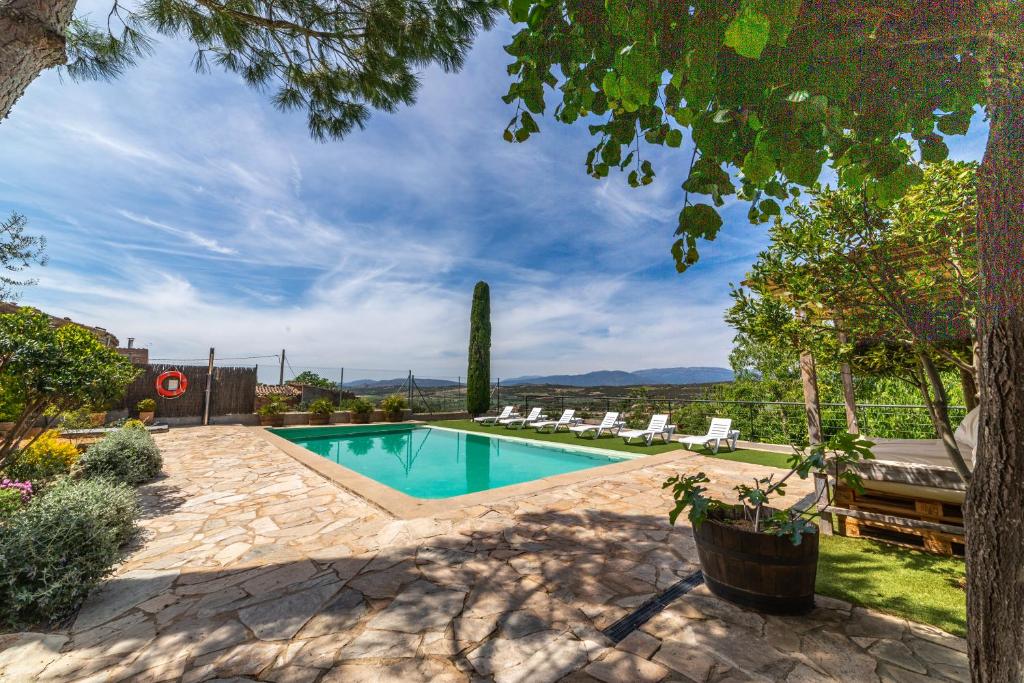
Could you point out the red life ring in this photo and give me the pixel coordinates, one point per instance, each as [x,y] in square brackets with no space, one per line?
[171,384]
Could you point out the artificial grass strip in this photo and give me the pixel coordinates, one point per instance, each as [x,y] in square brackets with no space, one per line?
[614,443]
[907,583]
[610,442]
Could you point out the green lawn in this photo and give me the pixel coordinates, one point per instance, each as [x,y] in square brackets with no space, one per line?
[908,583]
[614,443]
[911,584]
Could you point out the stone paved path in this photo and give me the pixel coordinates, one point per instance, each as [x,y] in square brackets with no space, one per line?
[253,567]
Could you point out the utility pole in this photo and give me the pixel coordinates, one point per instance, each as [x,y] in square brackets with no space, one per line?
[281,380]
[209,386]
[341,387]
[410,389]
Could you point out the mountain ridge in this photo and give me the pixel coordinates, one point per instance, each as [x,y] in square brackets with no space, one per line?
[609,378]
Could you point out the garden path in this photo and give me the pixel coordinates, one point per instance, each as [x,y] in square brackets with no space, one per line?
[252,566]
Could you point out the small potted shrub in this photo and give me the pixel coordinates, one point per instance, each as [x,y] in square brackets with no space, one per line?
[392,407]
[361,410]
[757,556]
[147,410]
[320,411]
[272,412]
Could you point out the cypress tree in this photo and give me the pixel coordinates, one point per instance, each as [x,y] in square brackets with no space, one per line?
[478,377]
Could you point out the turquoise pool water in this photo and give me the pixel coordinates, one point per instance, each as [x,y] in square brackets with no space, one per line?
[439,463]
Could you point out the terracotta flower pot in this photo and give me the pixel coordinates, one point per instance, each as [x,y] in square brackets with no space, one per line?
[147,417]
[272,420]
[318,419]
[756,570]
[98,419]
[360,418]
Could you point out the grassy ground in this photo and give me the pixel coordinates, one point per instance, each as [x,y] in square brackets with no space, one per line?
[908,583]
[614,443]
[911,584]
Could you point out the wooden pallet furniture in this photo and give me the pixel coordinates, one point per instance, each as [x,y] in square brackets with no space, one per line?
[922,523]
[914,505]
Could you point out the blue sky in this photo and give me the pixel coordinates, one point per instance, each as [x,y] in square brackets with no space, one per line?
[183,210]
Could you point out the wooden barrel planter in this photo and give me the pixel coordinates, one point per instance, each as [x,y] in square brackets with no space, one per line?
[757,570]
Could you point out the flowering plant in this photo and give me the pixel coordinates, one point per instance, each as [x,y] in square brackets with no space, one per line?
[22,487]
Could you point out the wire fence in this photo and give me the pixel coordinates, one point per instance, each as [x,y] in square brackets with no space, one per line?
[438,393]
[767,422]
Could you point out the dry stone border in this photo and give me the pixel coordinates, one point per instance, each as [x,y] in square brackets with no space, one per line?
[252,567]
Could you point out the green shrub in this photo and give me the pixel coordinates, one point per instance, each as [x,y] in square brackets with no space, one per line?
[321,406]
[146,405]
[127,455]
[360,406]
[134,424]
[47,457]
[73,419]
[58,548]
[274,405]
[393,405]
[11,501]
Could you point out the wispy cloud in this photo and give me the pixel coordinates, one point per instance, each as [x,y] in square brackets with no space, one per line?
[185,211]
[193,237]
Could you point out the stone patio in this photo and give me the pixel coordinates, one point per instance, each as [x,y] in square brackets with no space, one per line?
[253,567]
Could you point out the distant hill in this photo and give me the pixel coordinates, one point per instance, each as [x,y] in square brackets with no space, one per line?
[397,382]
[621,378]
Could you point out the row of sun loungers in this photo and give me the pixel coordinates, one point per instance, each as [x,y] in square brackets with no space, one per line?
[658,427]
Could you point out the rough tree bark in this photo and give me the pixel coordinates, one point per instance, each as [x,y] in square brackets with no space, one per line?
[849,394]
[31,40]
[812,403]
[995,504]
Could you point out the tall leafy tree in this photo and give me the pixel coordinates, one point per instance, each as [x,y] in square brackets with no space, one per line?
[313,379]
[18,251]
[899,282]
[478,376]
[334,59]
[45,369]
[771,91]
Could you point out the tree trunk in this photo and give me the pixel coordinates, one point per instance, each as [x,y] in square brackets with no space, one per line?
[938,407]
[31,39]
[970,388]
[995,504]
[849,395]
[812,404]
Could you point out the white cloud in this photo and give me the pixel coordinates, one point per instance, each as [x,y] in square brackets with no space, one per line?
[193,237]
[183,210]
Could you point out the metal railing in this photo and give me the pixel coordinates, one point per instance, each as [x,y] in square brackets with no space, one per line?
[768,422]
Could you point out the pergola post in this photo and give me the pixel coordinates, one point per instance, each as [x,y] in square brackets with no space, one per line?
[812,403]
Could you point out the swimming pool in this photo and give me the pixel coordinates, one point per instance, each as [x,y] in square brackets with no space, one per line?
[430,463]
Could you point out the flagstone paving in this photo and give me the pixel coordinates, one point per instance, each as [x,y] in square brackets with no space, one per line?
[252,567]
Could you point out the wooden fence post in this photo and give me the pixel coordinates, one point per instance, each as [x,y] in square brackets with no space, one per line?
[209,385]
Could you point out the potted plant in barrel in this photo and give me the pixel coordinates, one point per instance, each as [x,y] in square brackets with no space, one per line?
[320,411]
[393,406]
[755,555]
[272,412]
[361,410]
[147,410]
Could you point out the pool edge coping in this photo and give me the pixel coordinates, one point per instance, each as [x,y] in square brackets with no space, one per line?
[403,506]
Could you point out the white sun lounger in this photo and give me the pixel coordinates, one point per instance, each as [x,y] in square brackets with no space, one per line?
[566,420]
[521,422]
[609,423]
[658,426]
[720,430]
[505,413]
